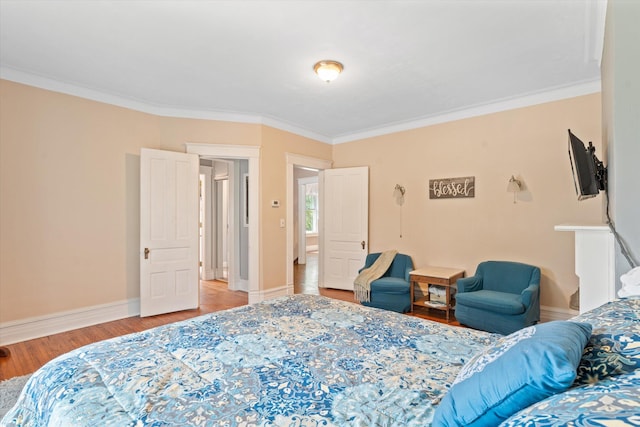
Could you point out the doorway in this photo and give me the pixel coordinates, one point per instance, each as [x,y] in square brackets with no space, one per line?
[298,162]
[306,226]
[243,258]
[214,225]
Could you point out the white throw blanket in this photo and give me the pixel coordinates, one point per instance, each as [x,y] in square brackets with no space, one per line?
[630,283]
[362,283]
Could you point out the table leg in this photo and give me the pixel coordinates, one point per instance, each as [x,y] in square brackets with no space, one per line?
[412,284]
[448,297]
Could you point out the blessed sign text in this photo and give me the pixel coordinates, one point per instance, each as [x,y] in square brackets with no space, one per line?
[452,188]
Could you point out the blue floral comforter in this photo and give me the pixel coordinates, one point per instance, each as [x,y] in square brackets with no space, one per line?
[301,360]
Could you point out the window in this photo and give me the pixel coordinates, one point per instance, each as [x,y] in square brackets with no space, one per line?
[311,208]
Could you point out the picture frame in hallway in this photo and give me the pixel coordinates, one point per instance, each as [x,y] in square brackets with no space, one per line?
[245,200]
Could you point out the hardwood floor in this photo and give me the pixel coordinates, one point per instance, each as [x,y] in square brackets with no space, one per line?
[28,356]
[305,281]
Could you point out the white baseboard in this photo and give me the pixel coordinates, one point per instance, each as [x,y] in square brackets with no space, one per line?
[208,274]
[240,285]
[42,326]
[547,314]
[257,296]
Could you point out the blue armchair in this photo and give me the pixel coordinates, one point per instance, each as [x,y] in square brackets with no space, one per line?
[391,291]
[501,297]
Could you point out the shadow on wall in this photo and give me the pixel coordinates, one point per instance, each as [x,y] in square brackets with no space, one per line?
[551,289]
[132,225]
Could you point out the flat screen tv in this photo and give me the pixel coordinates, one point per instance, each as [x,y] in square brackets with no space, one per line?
[589,173]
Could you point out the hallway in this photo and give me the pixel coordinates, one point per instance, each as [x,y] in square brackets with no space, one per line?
[305,280]
[305,276]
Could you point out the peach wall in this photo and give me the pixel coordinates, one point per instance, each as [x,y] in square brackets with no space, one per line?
[69,193]
[64,187]
[530,143]
[276,144]
[69,196]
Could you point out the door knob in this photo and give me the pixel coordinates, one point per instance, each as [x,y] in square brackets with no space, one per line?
[362,243]
[146,253]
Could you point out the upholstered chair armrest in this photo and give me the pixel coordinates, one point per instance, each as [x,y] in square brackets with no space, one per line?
[407,272]
[535,277]
[469,284]
[530,294]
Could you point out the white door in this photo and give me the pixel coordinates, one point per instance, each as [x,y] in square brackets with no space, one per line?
[168,231]
[345,218]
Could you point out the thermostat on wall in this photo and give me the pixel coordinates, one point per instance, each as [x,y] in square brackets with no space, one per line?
[275,203]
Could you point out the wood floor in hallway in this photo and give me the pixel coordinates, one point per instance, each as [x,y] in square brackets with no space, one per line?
[305,280]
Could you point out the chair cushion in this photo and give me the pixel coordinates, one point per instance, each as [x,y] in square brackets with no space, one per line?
[498,302]
[390,285]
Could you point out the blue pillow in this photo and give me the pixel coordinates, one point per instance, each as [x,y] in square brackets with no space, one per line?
[519,370]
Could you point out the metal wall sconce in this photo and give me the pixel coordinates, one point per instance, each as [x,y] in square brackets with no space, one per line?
[514,186]
[398,193]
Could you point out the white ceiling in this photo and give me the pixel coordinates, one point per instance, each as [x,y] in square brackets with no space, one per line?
[407,63]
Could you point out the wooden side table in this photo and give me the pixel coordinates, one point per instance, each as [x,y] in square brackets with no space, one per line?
[436,276]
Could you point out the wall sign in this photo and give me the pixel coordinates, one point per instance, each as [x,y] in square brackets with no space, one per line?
[452,188]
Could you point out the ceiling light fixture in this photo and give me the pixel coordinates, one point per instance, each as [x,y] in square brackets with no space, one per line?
[328,70]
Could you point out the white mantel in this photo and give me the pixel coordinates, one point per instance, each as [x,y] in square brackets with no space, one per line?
[595,263]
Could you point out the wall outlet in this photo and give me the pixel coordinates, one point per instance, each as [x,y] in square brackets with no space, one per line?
[275,203]
[282,223]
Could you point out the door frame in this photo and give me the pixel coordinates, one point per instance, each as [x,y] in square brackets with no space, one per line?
[206,251]
[294,160]
[252,154]
[224,245]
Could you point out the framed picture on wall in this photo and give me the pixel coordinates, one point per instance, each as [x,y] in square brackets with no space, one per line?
[245,199]
[452,188]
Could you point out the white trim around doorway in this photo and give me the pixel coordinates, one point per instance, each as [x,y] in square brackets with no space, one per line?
[252,154]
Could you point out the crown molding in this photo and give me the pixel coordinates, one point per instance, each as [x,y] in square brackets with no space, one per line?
[47,83]
[279,124]
[555,94]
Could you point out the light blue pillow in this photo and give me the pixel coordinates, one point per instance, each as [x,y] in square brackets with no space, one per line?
[519,370]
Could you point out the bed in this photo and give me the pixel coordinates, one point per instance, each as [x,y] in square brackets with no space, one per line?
[305,360]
